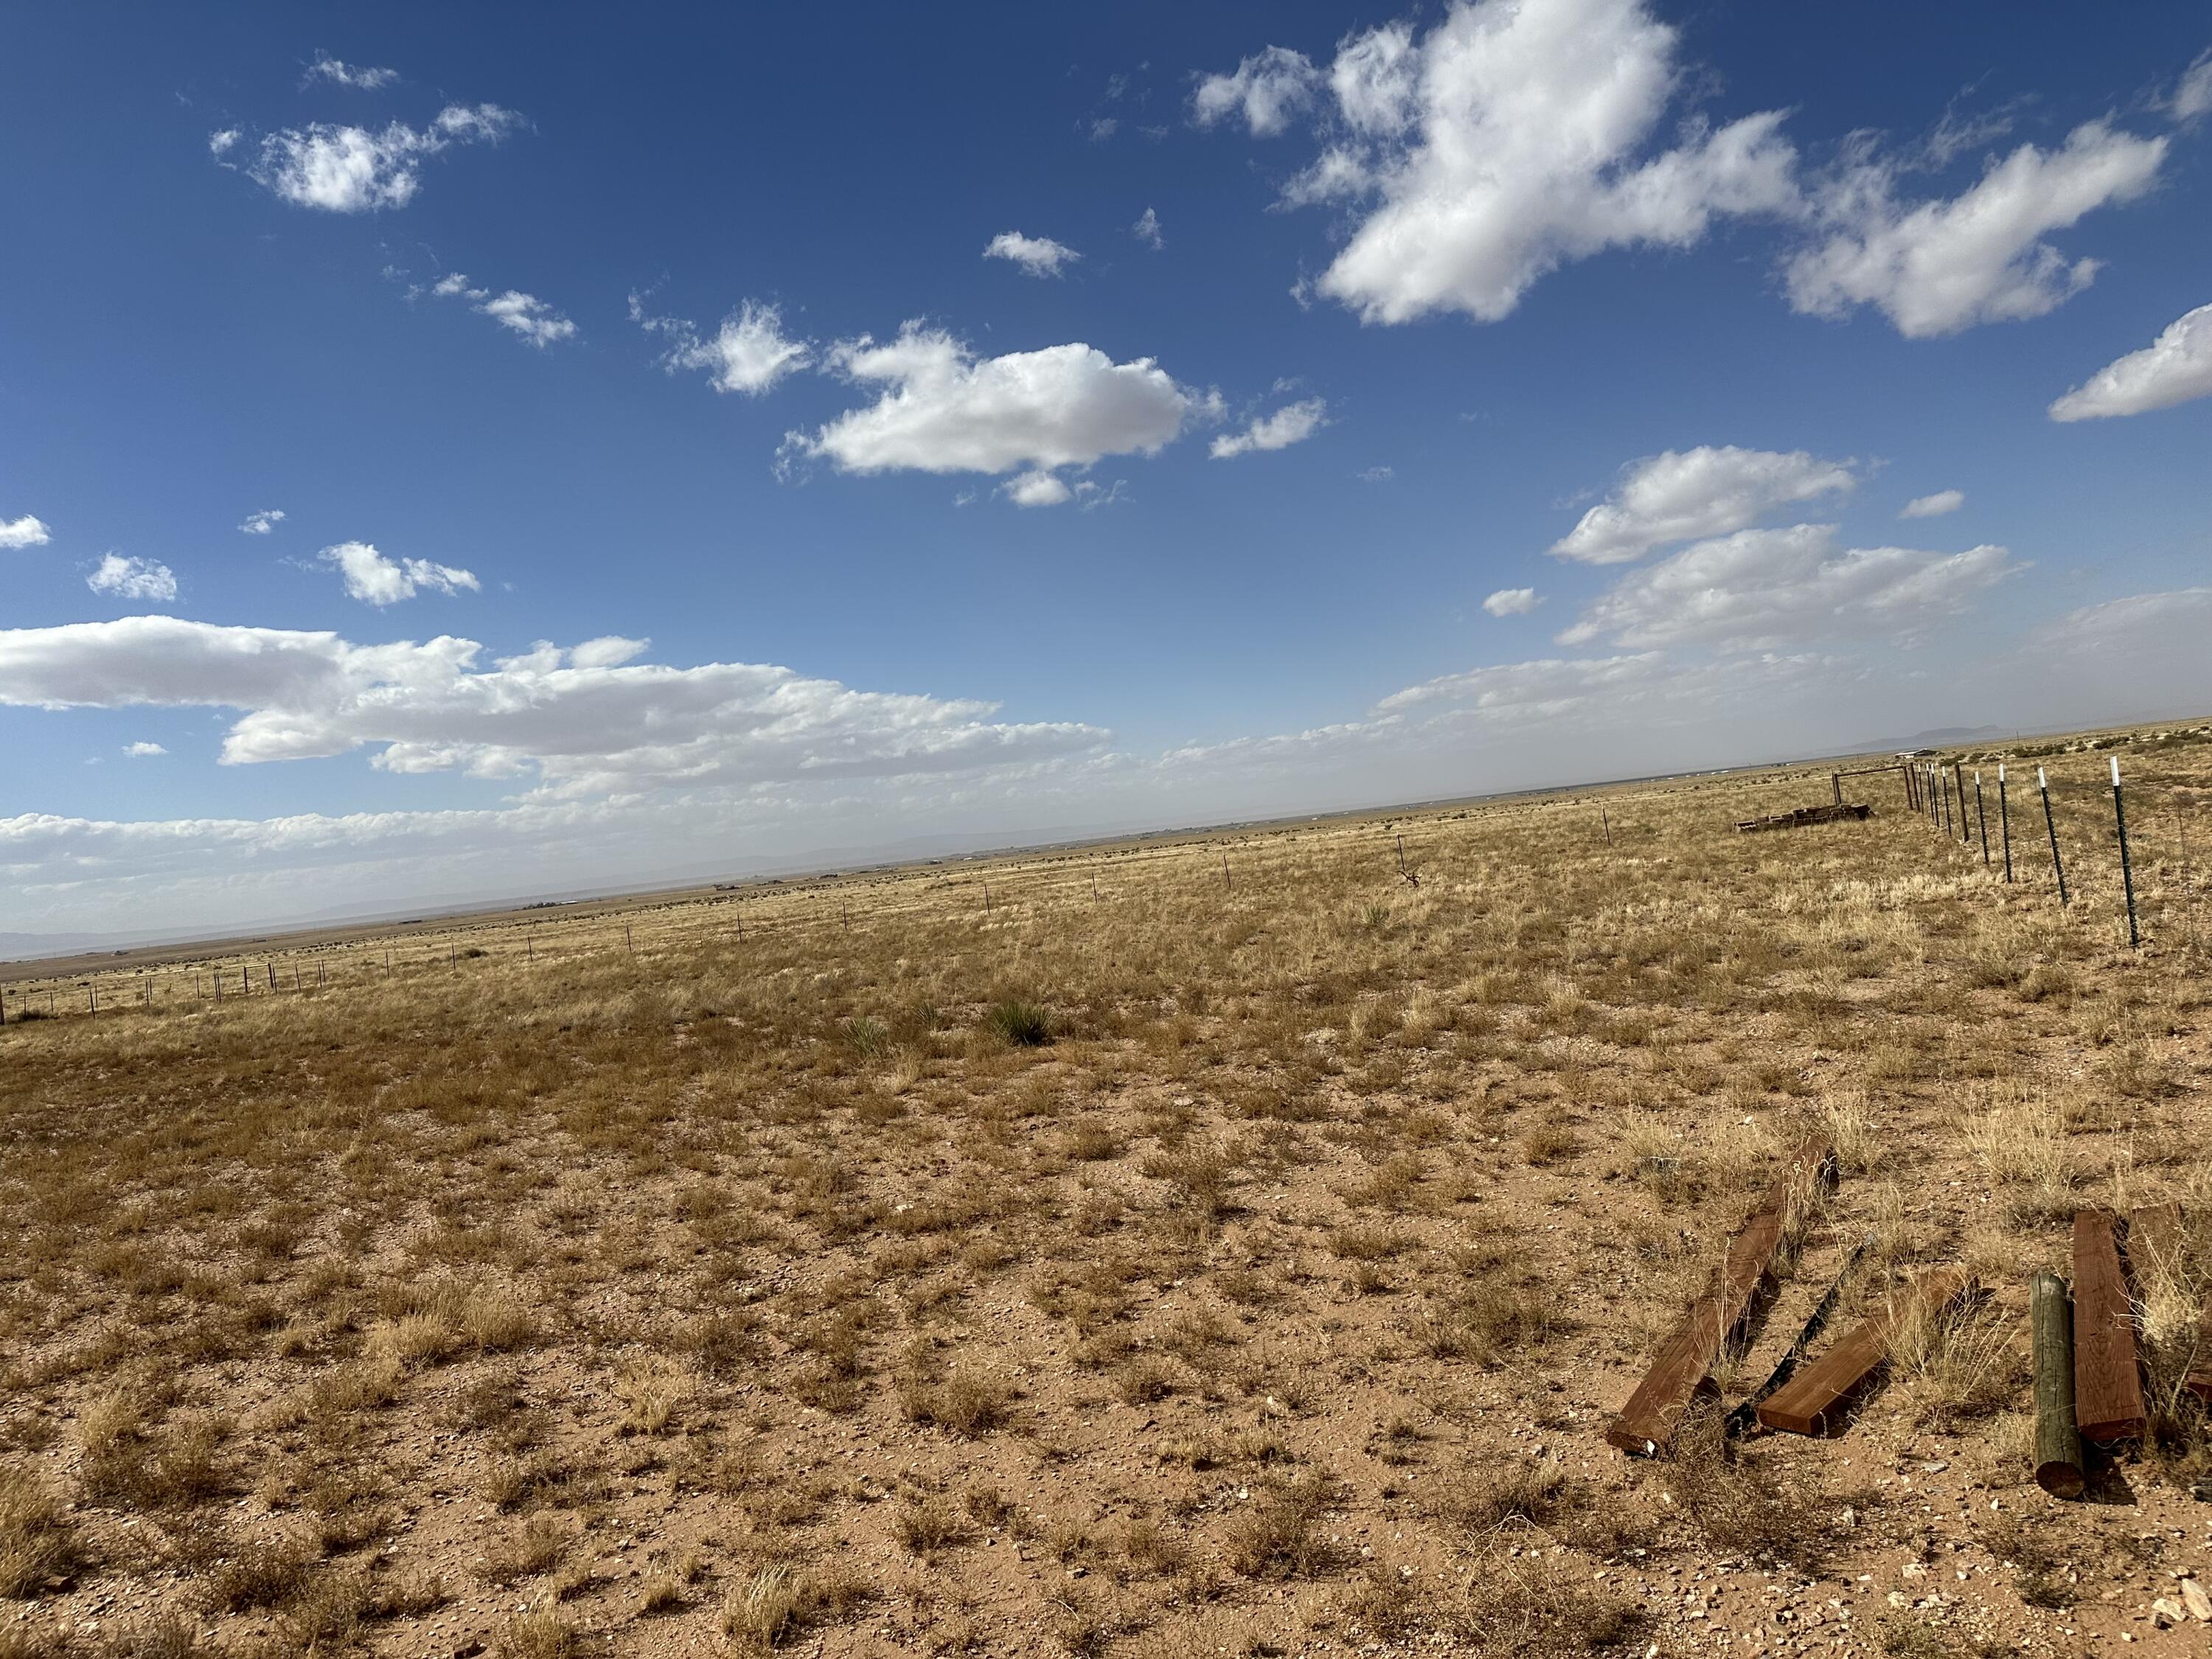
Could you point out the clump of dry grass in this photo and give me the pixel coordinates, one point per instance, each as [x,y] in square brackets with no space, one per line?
[1959,1363]
[540,1633]
[37,1541]
[261,1573]
[131,1460]
[779,1602]
[1278,1535]
[967,1402]
[1520,1605]
[1486,1321]
[1746,1502]
[531,1549]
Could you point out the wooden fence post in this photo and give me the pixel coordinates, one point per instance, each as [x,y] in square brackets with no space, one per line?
[2057,1441]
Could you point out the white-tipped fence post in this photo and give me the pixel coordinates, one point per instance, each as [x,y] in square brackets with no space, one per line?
[1981,820]
[2004,825]
[2043,788]
[2127,870]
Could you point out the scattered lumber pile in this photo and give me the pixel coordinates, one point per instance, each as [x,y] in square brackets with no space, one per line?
[2088,1377]
[1803,816]
[1683,1370]
[2088,1372]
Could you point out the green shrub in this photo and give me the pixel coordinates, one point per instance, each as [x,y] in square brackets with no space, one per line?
[1024,1024]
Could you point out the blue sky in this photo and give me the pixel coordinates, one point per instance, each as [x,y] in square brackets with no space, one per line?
[1362,403]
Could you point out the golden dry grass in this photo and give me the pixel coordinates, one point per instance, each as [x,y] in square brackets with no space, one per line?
[1194,1266]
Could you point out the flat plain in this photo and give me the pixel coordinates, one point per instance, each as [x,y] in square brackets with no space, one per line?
[1233,1243]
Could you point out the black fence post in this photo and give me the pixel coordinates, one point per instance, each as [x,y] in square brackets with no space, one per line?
[2127,870]
[2043,788]
[2004,823]
[1981,820]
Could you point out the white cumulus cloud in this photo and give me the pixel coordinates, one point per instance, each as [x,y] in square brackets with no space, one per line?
[1934,505]
[133,578]
[1512,601]
[2171,369]
[1037,490]
[26,532]
[261,523]
[749,352]
[1292,423]
[141,751]
[1678,496]
[1266,89]
[374,580]
[1937,267]
[1040,256]
[1147,230]
[350,169]
[943,409]
[1515,137]
[1759,588]
[590,726]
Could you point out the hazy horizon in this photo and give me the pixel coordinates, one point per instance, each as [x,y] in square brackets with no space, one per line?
[442,459]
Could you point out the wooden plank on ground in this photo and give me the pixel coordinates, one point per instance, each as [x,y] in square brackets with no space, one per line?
[2158,1250]
[1683,1367]
[2108,1398]
[1810,1401]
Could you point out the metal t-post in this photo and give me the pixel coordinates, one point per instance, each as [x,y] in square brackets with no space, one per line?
[2043,788]
[2127,870]
[2004,825]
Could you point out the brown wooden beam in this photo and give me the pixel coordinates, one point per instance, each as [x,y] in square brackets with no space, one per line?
[1810,1402]
[2108,1399]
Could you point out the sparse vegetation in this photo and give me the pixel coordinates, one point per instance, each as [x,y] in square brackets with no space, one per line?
[749,1286]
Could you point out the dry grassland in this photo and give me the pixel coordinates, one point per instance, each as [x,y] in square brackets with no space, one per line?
[1240,1263]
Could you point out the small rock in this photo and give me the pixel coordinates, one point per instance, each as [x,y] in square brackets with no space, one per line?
[2196,1600]
[2167,1612]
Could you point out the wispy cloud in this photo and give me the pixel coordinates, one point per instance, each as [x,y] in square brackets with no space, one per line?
[525,314]
[360,76]
[747,354]
[1290,424]
[341,168]
[1040,256]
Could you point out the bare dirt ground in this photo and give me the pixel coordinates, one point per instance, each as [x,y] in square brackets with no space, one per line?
[1208,1248]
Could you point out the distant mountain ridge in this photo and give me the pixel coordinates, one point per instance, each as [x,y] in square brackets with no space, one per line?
[1940,737]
